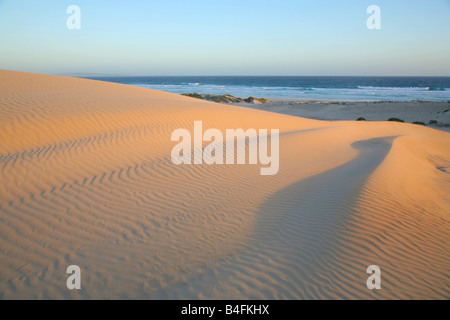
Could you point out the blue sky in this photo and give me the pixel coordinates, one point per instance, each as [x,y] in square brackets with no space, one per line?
[226,37]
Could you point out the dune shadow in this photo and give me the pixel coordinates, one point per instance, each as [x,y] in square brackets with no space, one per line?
[324,198]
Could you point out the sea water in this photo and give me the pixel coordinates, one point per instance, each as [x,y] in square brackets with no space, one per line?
[301,88]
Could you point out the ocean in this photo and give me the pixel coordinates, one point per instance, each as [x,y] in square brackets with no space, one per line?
[301,88]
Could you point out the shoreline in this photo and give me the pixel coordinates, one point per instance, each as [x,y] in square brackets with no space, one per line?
[431,113]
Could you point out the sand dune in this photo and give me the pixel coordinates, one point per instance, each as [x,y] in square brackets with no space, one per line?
[87,179]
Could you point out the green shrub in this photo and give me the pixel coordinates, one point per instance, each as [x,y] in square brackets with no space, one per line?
[419,122]
[361,119]
[396,120]
[227,98]
[192,95]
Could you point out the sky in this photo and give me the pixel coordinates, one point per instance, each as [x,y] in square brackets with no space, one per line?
[226,37]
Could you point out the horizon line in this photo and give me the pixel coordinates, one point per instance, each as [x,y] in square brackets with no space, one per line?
[218,75]
[93,74]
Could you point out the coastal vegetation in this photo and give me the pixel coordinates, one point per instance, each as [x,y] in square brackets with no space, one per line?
[396,120]
[226,98]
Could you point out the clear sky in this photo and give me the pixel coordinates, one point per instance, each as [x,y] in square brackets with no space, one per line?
[226,37]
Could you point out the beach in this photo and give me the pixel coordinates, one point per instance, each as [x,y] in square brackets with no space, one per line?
[88,180]
[434,114]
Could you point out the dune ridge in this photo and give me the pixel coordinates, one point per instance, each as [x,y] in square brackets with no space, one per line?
[87,179]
